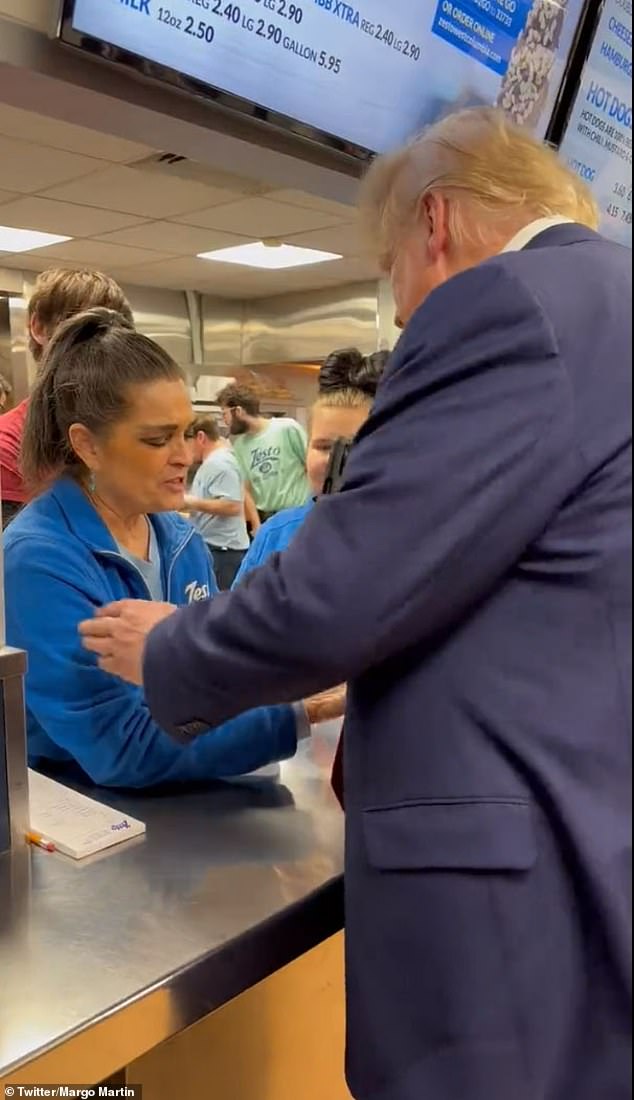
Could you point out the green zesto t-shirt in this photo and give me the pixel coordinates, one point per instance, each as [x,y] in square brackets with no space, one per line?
[274,464]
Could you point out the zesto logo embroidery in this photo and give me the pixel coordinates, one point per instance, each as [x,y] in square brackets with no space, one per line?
[264,461]
[196,592]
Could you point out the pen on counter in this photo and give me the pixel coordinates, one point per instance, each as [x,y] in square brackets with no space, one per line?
[40,842]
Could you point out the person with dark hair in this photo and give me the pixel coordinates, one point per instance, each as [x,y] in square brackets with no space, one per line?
[270,453]
[216,502]
[107,443]
[348,381]
[58,295]
[349,369]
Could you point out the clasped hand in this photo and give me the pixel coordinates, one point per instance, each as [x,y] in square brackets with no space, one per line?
[118,632]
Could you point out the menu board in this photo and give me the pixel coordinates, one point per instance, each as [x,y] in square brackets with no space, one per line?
[598,140]
[368,73]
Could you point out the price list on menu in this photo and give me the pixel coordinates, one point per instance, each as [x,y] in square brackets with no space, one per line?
[598,139]
[368,72]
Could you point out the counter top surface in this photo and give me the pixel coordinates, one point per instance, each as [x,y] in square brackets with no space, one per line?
[230,883]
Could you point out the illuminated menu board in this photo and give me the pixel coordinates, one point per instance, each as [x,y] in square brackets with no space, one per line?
[598,139]
[367,74]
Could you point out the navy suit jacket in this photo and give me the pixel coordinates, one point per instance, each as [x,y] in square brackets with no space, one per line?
[472,583]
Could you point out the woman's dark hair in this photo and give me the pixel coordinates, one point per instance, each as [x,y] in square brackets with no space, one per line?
[348,369]
[91,362]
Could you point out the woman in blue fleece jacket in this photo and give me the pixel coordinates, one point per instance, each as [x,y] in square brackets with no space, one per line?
[108,431]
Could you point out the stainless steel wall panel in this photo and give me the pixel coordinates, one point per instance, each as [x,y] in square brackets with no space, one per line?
[306,327]
[222,326]
[163,316]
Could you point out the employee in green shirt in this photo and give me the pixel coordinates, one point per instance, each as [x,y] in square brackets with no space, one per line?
[271,453]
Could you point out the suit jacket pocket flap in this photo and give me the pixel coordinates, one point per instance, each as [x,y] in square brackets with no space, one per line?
[445,835]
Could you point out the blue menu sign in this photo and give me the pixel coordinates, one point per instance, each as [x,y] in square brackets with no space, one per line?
[486,30]
[598,139]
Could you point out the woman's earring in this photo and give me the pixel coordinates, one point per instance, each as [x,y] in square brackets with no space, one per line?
[92,483]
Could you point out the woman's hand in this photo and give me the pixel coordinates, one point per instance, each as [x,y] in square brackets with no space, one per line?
[326,706]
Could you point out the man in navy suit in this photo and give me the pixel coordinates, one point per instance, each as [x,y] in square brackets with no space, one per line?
[472,584]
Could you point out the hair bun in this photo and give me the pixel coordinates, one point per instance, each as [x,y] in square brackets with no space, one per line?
[348,369]
[94,322]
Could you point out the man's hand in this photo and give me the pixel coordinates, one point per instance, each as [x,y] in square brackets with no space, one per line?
[117,635]
[326,706]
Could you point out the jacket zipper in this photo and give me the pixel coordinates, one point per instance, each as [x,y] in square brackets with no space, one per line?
[176,555]
[129,565]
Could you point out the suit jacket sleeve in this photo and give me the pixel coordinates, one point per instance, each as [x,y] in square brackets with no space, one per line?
[468,454]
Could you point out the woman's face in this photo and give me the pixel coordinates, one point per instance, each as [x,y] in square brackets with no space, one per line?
[141,464]
[329,425]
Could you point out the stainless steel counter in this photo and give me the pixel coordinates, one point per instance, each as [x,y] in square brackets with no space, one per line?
[102,959]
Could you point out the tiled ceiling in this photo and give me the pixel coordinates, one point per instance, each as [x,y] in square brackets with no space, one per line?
[146,227]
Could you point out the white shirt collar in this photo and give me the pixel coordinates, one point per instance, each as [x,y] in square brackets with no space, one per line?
[529,232]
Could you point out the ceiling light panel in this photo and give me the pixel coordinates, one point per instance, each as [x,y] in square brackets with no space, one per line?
[271,257]
[25,240]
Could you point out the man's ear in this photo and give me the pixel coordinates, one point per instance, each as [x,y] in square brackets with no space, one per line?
[434,214]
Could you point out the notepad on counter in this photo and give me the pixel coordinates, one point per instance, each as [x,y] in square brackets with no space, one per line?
[78,826]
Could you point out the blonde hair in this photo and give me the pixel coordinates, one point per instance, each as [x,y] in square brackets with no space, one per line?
[496,174]
[60,293]
[347,398]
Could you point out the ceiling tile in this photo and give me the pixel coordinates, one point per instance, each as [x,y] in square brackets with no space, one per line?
[132,191]
[56,134]
[195,274]
[27,168]
[313,202]
[67,219]
[258,218]
[100,255]
[177,272]
[241,282]
[345,240]
[352,271]
[184,240]
[23,261]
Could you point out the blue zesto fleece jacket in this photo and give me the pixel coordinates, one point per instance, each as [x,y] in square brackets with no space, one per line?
[60,564]
[273,537]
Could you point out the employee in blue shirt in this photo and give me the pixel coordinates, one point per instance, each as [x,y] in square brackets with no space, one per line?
[216,502]
[348,382]
[109,429]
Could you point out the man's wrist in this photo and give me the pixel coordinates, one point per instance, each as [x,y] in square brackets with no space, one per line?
[302,723]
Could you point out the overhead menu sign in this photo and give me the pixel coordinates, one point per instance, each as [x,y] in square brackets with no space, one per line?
[598,140]
[370,72]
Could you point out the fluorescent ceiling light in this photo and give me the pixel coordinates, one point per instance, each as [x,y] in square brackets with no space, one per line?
[274,257]
[23,240]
